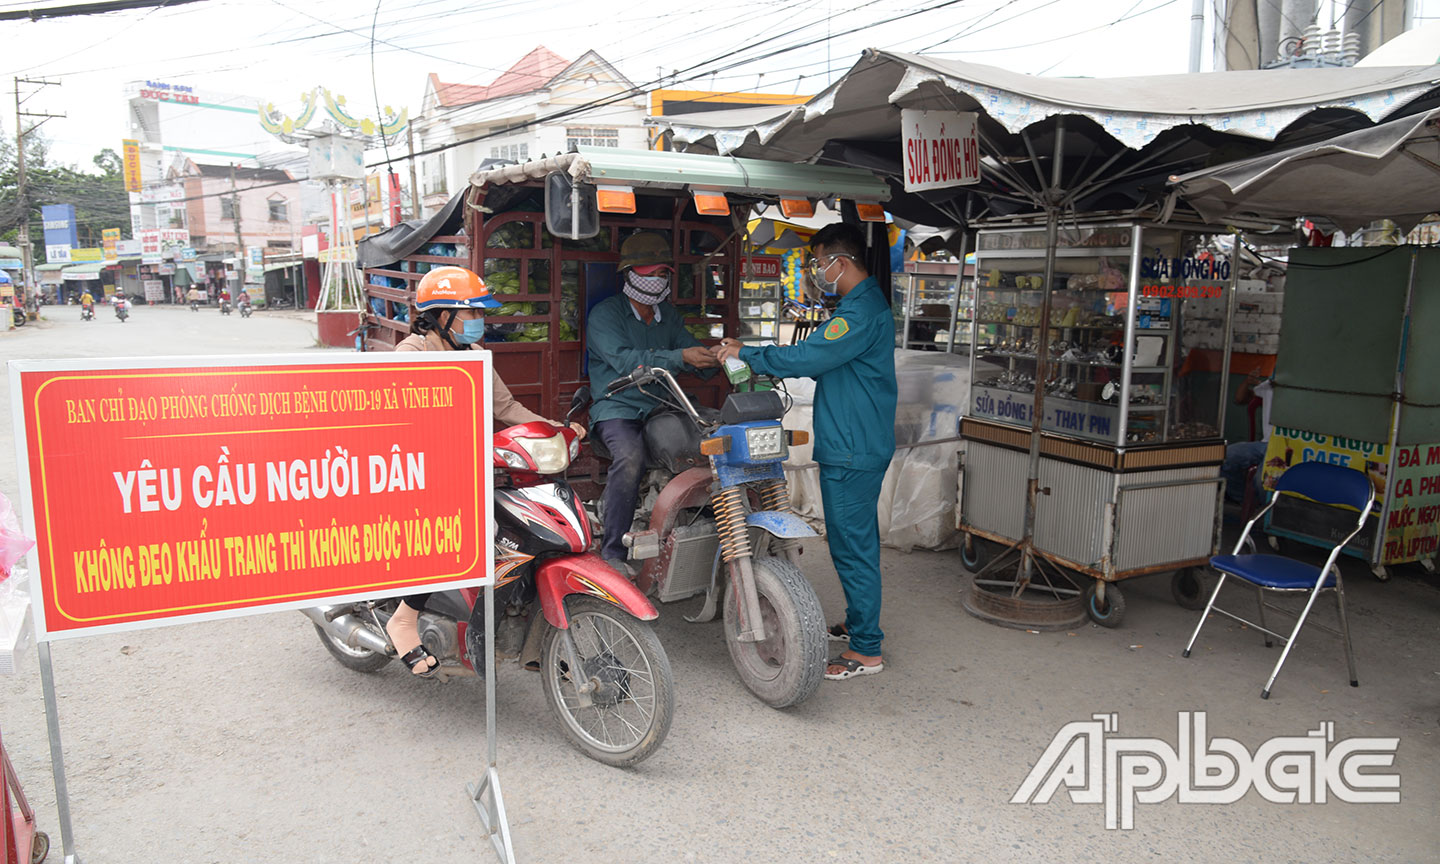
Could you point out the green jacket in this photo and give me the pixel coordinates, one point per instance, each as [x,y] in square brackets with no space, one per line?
[852,359]
[618,341]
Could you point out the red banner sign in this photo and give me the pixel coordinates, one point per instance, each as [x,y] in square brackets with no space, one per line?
[761,268]
[161,493]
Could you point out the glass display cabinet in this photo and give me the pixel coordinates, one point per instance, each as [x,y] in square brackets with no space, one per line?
[1129,441]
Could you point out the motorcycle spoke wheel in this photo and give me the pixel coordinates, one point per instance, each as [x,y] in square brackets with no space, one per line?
[632,695]
[786,667]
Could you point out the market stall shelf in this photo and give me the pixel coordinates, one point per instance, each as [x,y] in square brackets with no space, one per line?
[1130,449]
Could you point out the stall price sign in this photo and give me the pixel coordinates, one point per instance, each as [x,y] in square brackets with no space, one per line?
[940,149]
[194,488]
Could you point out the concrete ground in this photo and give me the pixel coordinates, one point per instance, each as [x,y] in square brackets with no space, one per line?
[244,741]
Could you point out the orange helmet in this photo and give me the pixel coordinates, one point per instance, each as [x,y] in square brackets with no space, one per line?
[453,288]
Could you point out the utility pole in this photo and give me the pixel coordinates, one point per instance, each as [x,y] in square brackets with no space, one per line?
[241,255]
[414,185]
[27,275]
[1197,32]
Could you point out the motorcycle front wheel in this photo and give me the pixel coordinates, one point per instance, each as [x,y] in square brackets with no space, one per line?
[787,666]
[634,691]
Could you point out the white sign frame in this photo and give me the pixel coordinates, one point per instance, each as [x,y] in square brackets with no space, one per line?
[27,503]
[939,149]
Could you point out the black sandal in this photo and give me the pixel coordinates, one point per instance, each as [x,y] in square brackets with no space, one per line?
[417,655]
[838,633]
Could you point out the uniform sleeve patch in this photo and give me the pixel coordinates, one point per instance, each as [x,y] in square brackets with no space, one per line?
[836,328]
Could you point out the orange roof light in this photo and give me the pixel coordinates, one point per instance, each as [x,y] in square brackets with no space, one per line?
[870,212]
[797,208]
[709,202]
[615,199]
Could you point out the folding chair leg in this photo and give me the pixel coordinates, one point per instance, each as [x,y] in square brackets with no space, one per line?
[1203,615]
[1290,643]
[1260,595]
[1345,628]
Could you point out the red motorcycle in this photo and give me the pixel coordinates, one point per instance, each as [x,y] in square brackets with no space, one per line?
[605,675]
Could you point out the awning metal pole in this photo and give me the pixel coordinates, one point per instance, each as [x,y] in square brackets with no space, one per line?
[1042,351]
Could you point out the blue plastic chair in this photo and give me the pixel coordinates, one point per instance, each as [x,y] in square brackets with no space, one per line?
[1325,484]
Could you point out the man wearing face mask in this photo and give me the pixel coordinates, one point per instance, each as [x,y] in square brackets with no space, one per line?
[852,359]
[450,304]
[636,327]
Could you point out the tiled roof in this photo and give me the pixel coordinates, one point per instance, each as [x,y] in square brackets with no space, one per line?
[531,72]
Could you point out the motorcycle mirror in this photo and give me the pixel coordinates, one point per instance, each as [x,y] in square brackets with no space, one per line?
[580,400]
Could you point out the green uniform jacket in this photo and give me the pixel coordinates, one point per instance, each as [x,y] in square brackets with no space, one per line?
[618,342]
[852,359]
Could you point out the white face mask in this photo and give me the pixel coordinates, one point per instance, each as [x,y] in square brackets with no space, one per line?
[823,282]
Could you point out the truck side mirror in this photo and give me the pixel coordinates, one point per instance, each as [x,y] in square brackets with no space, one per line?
[571,211]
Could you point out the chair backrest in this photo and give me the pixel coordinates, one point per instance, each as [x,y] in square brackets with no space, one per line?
[1328,484]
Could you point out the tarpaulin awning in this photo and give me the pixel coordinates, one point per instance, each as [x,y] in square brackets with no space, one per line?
[1123,137]
[81,272]
[667,170]
[1389,171]
[389,246]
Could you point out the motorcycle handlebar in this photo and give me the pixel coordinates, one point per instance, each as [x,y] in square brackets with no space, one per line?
[641,375]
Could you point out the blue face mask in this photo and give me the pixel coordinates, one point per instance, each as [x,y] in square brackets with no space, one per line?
[474,330]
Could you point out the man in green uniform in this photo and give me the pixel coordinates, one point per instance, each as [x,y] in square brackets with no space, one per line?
[852,359]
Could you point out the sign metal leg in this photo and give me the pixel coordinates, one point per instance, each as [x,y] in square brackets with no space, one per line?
[485,793]
[57,755]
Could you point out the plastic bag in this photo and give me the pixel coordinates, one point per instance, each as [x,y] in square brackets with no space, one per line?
[16,633]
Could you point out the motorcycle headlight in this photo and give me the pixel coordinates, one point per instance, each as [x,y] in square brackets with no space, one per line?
[766,442]
[512,459]
[550,454]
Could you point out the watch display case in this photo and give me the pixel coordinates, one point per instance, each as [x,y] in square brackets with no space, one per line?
[1113,346]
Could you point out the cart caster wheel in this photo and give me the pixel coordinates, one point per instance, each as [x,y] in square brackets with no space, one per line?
[1381,572]
[1273,541]
[1190,588]
[1113,611]
[39,847]
[975,553]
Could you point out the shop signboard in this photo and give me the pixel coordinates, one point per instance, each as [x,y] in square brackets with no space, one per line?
[108,240]
[152,249]
[94,253]
[239,485]
[346,253]
[131,161]
[187,253]
[174,238]
[940,149]
[154,290]
[762,268]
[1066,416]
[1410,499]
[127,248]
[61,232]
[255,259]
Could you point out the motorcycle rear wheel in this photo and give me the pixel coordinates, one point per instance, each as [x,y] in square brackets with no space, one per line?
[636,696]
[358,659]
[787,667]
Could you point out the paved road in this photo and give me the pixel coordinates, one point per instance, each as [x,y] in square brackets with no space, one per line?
[243,741]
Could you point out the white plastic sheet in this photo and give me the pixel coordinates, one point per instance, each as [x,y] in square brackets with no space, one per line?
[917,499]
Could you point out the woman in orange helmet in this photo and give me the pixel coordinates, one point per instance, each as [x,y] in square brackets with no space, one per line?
[450,307]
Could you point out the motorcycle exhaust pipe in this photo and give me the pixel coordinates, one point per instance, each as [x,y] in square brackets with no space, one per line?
[347,629]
